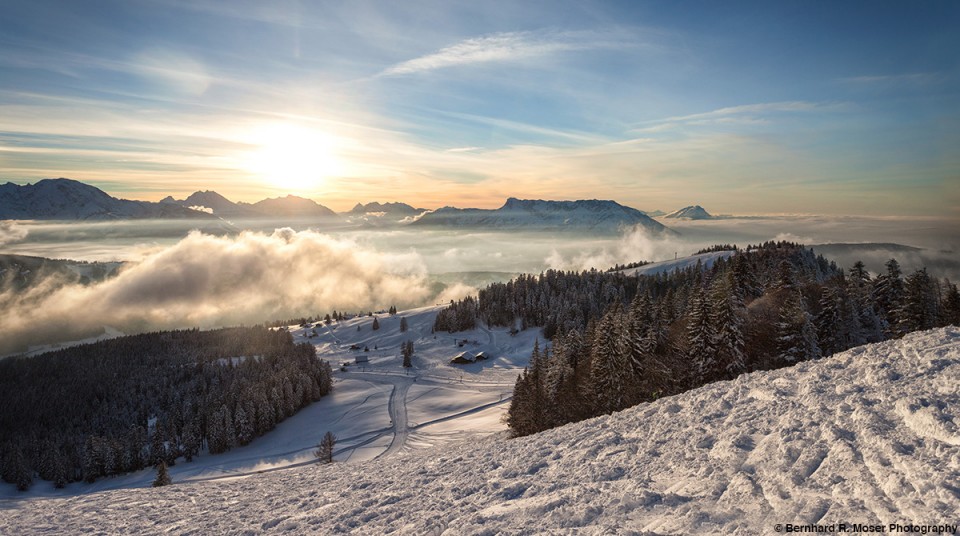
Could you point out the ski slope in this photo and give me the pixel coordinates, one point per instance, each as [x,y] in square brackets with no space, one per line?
[369,406]
[867,436]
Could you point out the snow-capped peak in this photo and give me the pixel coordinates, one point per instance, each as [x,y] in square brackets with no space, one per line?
[693,212]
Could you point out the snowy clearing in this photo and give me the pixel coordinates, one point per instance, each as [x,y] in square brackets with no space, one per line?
[867,436]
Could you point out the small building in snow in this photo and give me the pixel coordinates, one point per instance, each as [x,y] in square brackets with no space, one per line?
[463,358]
[361,359]
[480,356]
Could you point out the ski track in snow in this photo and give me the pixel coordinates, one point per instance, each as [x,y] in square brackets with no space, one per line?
[866,436]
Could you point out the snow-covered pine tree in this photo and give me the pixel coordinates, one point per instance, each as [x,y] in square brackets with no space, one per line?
[828,321]
[727,314]
[243,425]
[403,324]
[641,343]
[560,389]
[608,361]
[796,333]
[951,304]
[888,297]
[919,309]
[860,298]
[191,440]
[700,336]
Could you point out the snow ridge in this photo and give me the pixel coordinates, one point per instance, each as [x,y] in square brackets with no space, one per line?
[867,436]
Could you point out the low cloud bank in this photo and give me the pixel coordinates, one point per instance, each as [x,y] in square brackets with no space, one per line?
[11,232]
[637,244]
[206,280]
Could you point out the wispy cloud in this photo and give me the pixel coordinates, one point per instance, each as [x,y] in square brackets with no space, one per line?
[886,79]
[502,47]
[526,128]
[742,114]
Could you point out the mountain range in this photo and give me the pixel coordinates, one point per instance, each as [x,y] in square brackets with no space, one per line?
[67,199]
[594,215]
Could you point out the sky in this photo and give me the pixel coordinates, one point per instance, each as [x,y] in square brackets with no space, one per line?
[742,107]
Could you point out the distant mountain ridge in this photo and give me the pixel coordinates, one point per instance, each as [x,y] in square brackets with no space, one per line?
[693,212]
[400,209]
[531,214]
[67,199]
[289,206]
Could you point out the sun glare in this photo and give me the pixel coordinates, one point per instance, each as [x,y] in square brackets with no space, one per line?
[293,157]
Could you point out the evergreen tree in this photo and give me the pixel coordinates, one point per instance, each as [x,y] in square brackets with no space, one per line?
[376,324]
[828,322]
[700,337]
[324,452]
[919,309]
[191,440]
[888,296]
[518,414]
[403,324]
[951,305]
[243,426]
[163,477]
[796,333]
[641,345]
[727,314]
[406,348]
[608,363]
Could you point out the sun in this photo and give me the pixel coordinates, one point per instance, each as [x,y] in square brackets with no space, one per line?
[293,157]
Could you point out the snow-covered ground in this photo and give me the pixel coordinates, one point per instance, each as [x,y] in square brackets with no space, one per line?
[666,267]
[376,409]
[867,436]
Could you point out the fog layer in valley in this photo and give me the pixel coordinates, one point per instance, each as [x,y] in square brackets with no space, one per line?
[222,275]
[205,280]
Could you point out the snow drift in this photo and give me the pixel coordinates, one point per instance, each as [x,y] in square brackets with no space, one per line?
[867,436]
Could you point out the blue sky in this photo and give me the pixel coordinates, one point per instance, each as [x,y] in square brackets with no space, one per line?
[765,107]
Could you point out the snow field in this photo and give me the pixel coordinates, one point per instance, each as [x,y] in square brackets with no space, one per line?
[866,436]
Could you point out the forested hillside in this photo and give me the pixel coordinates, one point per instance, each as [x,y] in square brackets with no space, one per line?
[124,404]
[619,340]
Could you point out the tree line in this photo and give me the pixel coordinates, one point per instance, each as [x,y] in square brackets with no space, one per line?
[133,402]
[617,341]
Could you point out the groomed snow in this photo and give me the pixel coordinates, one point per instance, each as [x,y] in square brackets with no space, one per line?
[867,436]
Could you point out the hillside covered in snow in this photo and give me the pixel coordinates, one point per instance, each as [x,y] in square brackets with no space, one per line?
[867,436]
